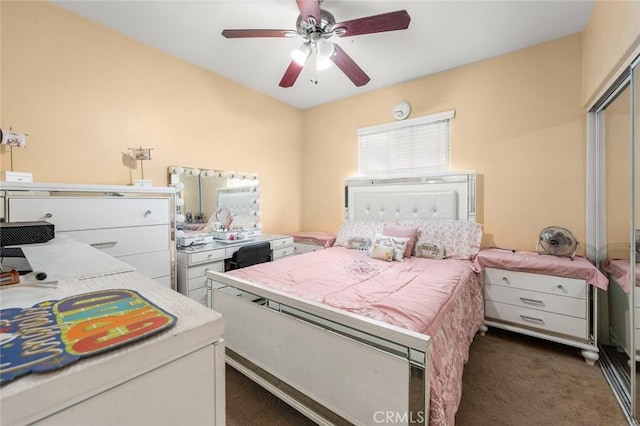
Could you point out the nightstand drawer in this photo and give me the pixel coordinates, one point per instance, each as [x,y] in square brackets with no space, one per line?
[535,282]
[299,248]
[283,252]
[532,318]
[536,300]
[281,242]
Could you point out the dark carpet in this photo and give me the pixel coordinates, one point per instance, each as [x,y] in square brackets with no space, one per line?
[510,379]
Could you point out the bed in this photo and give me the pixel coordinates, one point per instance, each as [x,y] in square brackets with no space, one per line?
[347,338]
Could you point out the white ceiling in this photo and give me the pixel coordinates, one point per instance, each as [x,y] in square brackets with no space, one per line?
[442,35]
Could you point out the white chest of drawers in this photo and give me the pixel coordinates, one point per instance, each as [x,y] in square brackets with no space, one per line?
[544,306]
[193,263]
[133,224]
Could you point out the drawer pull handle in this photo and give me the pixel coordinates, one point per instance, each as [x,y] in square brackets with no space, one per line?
[505,279]
[532,301]
[147,213]
[560,287]
[104,245]
[532,319]
[48,216]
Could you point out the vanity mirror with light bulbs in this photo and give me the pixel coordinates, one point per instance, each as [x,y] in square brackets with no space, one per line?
[221,204]
[217,212]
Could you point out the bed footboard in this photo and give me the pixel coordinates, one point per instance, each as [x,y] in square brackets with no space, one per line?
[333,366]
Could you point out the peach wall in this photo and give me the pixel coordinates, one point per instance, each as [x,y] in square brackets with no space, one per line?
[610,37]
[519,123]
[85,94]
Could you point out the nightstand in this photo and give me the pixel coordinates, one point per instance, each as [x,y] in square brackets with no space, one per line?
[543,296]
[305,242]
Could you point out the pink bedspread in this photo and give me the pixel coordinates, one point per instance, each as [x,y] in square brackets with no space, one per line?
[525,261]
[440,298]
[621,270]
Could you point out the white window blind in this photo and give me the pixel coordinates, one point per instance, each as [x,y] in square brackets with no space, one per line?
[410,147]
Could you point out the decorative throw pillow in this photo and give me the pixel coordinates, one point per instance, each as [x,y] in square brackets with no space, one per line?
[381,252]
[430,250]
[460,239]
[395,230]
[398,244]
[357,228]
[359,243]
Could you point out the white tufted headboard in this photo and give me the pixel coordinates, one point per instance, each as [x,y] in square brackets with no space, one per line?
[450,195]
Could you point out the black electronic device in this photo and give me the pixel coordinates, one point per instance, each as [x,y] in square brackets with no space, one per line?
[14,259]
[19,233]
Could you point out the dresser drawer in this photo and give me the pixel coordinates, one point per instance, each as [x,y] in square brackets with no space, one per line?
[124,241]
[282,252]
[281,242]
[153,264]
[535,319]
[541,301]
[535,282]
[70,214]
[206,256]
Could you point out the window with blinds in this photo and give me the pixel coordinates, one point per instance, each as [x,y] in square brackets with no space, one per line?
[410,147]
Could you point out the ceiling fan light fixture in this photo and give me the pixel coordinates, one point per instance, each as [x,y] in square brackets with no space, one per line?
[322,64]
[325,49]
[301,54]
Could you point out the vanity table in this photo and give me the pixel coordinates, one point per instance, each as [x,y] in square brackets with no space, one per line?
[193,262]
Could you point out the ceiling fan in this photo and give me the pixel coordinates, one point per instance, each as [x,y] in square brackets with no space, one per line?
[316,26]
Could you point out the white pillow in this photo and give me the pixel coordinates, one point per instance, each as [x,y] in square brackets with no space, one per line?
[460,239]
[357,228]
[398,244]
[381,252]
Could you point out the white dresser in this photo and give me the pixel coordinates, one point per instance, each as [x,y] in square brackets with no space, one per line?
[173,377]
[194,262]
[133,224]
[545,306]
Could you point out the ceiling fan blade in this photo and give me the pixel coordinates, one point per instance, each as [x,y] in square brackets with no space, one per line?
[309,8]
[349,67]
[392,21]
[258,33]
[291,74]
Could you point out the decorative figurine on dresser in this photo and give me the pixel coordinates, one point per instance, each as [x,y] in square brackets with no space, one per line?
[542,295]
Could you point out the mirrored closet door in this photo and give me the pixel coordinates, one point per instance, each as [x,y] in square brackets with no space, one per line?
[635,234]
[614,180]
